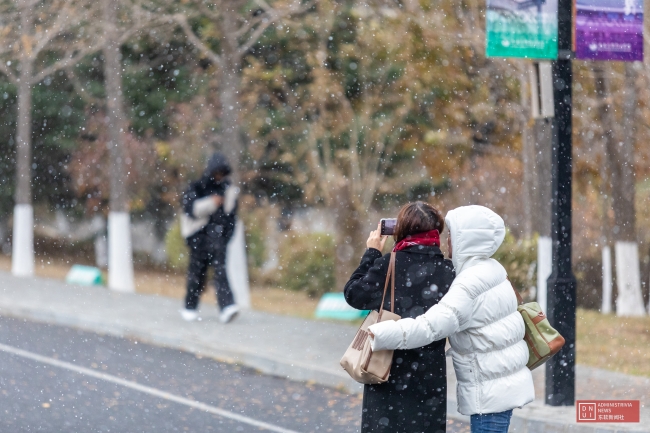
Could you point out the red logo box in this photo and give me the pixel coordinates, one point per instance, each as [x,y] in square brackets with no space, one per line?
[608,411]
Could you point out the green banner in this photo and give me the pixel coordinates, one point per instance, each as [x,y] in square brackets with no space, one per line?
[522,28]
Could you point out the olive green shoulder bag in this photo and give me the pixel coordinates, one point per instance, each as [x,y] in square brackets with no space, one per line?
[542,339]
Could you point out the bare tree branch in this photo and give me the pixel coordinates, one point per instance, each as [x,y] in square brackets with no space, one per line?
[264,5]
[382,155]
[60,25]
[7,47]
[181,20]
[257,34]
[142,19]
[80,89]
[273,16]
[214,16]
[4,68]
[67,61]
[249,25]
[314,157]
[355,169]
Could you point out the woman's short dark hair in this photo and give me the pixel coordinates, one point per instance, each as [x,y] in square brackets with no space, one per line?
[418,217]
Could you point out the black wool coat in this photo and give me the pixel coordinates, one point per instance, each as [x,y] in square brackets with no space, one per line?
[414,400]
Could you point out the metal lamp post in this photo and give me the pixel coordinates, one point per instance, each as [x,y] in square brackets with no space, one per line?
[561,301]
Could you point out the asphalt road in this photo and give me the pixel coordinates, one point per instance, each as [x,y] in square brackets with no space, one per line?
[59,379]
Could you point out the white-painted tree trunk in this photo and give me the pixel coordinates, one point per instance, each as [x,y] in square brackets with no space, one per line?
[22,259]
[101,243]
[237,267]
[629,301]
[544,268]
[606,306]
[62,223]
[272,245]
[101,251]
[120,253]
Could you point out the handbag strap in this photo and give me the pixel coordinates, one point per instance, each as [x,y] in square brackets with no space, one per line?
[389,276]
[520,301]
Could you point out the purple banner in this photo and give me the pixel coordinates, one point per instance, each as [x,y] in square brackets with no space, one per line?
[609,30]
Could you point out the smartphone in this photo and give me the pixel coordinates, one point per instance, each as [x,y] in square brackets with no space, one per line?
[388,226]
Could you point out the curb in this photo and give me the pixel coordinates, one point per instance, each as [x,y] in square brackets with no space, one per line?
[288,369]
[265,364]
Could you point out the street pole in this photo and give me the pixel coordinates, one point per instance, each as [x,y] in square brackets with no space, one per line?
[561,297]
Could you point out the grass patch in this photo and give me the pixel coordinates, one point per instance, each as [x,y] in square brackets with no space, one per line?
[614,343]
[283,301]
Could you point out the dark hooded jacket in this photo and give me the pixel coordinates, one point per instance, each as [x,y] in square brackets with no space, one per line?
[221,225]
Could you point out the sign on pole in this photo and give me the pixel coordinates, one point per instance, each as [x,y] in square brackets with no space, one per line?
[522,28]
[609,30]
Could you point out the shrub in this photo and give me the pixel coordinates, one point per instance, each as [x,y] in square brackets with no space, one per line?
[307,263]
[589,277]
[177,251]
[519,257]
[255,223]
[255,246]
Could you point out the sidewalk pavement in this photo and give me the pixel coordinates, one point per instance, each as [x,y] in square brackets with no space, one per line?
[297,349]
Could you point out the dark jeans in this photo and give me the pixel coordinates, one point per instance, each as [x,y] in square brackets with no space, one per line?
[491,422]
[205,252]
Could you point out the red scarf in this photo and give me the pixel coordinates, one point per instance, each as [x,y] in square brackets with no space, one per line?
[427,239]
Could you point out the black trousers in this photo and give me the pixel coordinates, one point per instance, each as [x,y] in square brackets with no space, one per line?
[206,252]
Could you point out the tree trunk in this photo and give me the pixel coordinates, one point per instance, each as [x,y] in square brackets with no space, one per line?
[115,111]
[229,97]
[528,159]
[272,244]
[350,233]
[237,266]
[120,254]
[619,155]
[22,263]
[628,275]
[606,303]
[541,207]
[629,301]
[101,243]
[624,198]
[606,236]
[605,111]
[24,136]
[229,91]
[232,144]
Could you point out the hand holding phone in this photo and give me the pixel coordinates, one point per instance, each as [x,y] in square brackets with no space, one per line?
[376,240]
[387,226]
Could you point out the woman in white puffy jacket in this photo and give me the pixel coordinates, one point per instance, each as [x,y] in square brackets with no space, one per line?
[479,315]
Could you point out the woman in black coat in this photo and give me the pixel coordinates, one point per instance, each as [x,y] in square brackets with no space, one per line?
[414,400]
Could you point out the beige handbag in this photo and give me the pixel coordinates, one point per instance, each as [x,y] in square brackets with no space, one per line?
[361,363]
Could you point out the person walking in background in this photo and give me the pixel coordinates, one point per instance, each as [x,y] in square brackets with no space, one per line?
[207,224]
[479,315]
[415,397]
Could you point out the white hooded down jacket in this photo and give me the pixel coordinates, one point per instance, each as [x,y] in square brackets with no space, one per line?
[479,315]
